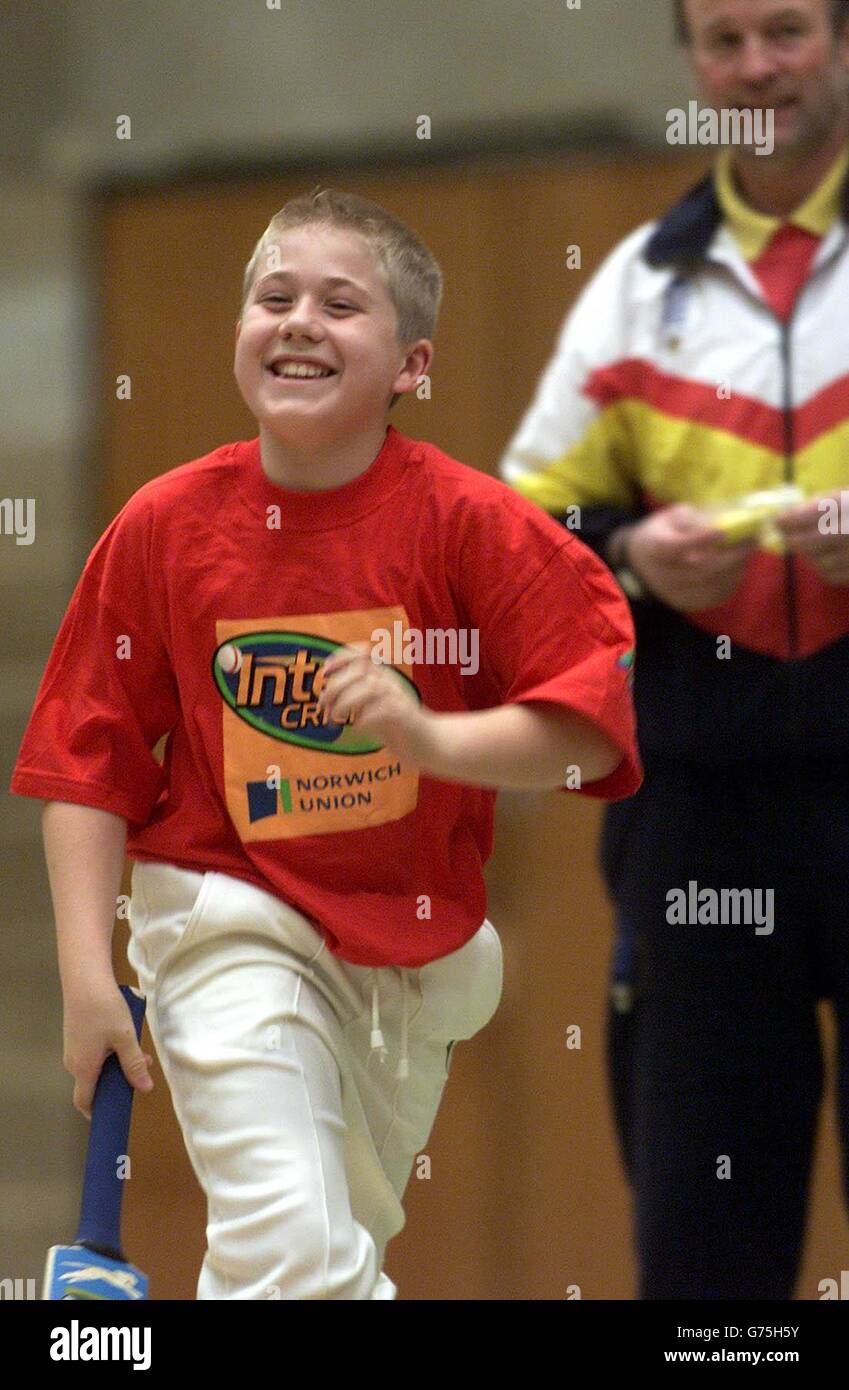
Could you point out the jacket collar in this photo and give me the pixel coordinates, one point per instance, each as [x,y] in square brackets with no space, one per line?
[688,229]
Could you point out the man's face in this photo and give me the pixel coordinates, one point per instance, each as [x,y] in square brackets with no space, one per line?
[772,54]
[319,299]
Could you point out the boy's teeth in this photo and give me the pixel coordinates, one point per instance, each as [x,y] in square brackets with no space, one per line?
[299,369]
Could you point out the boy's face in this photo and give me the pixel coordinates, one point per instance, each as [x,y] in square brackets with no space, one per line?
[319,299]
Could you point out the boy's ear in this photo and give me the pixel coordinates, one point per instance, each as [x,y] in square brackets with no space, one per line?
[416,365]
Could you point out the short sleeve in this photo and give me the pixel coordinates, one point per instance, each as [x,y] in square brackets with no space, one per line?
[108,692]
[553,627]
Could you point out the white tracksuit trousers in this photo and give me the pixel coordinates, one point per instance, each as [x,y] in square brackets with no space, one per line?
[286,1067]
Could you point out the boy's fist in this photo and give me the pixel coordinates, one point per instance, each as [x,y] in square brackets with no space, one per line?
[368,693]
[98,1021]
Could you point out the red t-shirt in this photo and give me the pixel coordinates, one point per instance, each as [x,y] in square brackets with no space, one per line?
[203,612]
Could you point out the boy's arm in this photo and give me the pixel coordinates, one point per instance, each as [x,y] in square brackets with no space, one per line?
[108,694]
[530,744]
[84,850]
[520,746]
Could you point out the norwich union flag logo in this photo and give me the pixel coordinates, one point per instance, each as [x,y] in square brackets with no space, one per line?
[626,661]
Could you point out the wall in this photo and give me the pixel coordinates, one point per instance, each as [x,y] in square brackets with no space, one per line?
[208,80]
[42,390]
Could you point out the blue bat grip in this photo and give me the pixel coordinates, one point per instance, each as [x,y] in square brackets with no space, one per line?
[109,1133]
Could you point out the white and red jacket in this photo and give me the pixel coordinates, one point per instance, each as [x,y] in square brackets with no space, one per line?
[674,380]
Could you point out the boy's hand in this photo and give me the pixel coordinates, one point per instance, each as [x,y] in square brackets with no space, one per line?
[508,746]
[96,1023]
[382,705]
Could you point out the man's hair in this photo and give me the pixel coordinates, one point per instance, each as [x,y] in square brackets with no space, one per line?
[413,277]
[839,16]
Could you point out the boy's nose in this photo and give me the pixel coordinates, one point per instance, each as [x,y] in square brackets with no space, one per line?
[301,320]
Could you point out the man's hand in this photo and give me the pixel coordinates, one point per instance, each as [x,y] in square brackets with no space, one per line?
[682,560]
[382,705]
[827,552]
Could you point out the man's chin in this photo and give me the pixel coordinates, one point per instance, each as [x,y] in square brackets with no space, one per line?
[800,133]
[785,145]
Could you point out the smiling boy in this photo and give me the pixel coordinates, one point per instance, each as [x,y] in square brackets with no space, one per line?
[308,908]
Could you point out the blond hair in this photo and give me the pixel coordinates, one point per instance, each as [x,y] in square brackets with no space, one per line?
[413,277]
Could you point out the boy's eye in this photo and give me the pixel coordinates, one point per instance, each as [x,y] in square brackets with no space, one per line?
[284,299]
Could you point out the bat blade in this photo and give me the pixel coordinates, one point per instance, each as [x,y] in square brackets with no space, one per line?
[94,1266]
[73,1271]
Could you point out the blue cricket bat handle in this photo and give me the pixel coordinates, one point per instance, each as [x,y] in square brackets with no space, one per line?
[109,1133]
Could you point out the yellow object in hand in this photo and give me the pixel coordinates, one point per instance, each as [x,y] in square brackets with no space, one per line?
[738,524]
[752,516]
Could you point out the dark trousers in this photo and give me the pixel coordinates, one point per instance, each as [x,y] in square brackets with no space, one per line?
[713,1048]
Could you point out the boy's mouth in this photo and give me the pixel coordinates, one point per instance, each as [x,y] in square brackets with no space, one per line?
[287,369]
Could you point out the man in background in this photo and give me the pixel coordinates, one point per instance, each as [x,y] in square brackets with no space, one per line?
[709,359]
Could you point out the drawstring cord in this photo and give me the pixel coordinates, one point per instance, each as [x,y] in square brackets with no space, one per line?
[403,1070]
[378,1044]
[376,1035]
